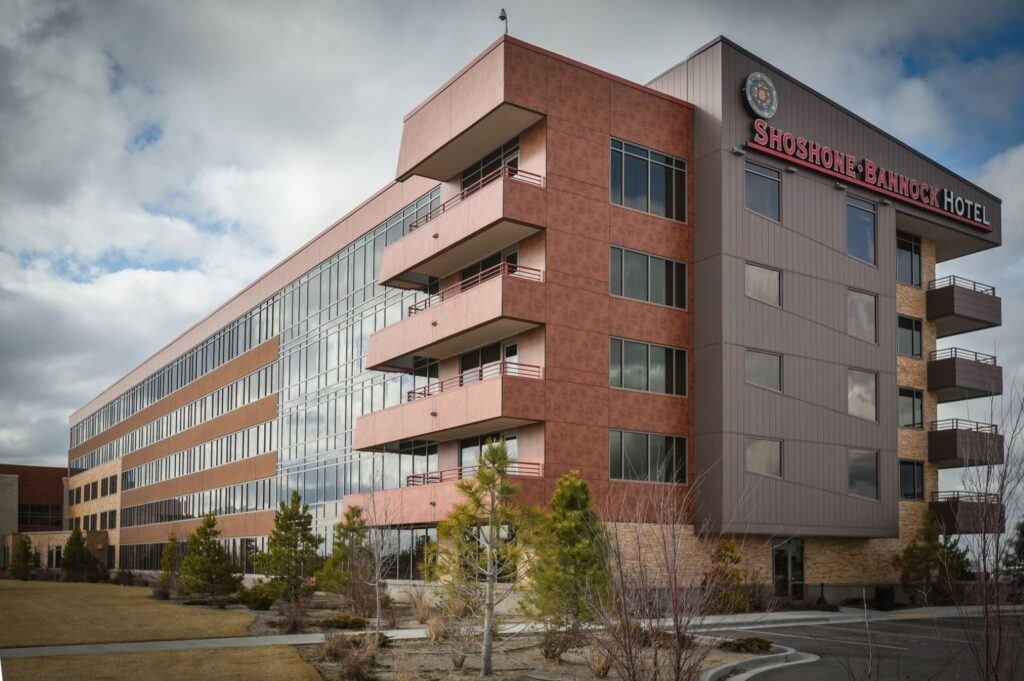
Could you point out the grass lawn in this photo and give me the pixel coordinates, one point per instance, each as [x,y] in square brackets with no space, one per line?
[223,664]
[53,613]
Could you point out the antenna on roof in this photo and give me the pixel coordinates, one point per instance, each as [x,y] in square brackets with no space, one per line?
[503,16]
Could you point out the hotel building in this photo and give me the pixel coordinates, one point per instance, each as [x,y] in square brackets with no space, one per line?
[719,284]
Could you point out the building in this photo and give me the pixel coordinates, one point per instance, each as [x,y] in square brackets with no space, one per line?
[31,502]
[721,276]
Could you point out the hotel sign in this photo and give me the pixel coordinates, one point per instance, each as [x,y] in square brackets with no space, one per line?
[865,173]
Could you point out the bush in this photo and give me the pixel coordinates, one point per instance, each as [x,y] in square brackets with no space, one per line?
[197,601]
[335,645]
[557,642]
[419,599]
[754,644]
[124,578]
[379,640]
[668,639]
[438,629]
[355,655]
[342,622]
[295,613]
[261,596]
[599,663]
[161,592]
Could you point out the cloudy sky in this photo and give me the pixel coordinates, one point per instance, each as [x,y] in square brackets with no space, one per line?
[157,156]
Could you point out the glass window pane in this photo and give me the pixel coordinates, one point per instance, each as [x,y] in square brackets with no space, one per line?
[860,315]
[661,190]
[616,272]
[634,365]
[679,386]
[679,457]
[862,394]
[615,362]
[762,190]
[763,283]
[860,231]
[680,195]
[679,295]
[634,456]
[615,454]
[911,408]
[635,275]
[907,474]
[635,183]
[660,282]
[658,374]
[764,369]
[661,458]
[764,456]
[908,337]
[863,473]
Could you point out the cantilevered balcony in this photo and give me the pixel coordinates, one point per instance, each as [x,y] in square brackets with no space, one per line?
[956,443]
[501,209]
[494,397]
[958,374]
[497,303]
[969,512]
[959,305]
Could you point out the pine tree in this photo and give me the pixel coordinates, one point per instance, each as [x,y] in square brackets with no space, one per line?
[568,564]
[932,566]
[76,562]
[206,567]
[170,566]
[350,566]
[291,554]
[21,561]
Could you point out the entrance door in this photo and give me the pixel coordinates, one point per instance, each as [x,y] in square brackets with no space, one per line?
[788,566]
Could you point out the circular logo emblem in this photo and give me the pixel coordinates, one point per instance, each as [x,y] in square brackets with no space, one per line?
[762,98]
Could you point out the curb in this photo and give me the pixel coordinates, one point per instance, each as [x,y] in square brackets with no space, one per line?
[756,665]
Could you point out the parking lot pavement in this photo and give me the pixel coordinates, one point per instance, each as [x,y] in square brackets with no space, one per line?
[904,650]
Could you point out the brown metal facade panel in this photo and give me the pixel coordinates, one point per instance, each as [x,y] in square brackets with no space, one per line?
[957,516]
[956,378]
[955,310]
[240,366]
[253,468]
[257,524]
[955,448]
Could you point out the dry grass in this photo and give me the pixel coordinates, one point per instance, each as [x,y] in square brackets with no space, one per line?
[52,613]
[223,664]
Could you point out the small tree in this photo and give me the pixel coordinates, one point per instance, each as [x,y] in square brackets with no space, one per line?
[170,566]
[932,566]
[724,579]
[21,561]
[206,567]
[291,554]
[479,542]
[349,570]
[568,562]
[76,562]
[1013,562]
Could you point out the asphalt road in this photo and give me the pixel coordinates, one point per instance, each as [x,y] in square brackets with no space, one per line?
[905,650]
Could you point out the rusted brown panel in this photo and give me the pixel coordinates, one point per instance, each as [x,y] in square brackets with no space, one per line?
[253,468]
[240,366]
[956,309]
[243,417]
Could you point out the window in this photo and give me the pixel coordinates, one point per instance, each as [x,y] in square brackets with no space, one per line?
[88,490]
[764,456]
[861,316]
[862,394]
[647,457]
[103,521]
[908,337]
[908,259]
[764,369]
[95,489]
[648,278]
[862,467]
[911,408]
[763,283]
[860,229]
[78,495]
[105,487]
[911,480]
[763,190]
[647,180]
[644,366]
[505,155]
[112,520]
[470,449]
[113,484]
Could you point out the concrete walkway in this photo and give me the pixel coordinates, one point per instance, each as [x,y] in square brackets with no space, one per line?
[707,624]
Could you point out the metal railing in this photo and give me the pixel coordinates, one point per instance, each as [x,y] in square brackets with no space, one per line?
[486,372]
[516,469]
[972,497]
[506,172]
[960,353]
[962,282]
[504,269]
[964,424]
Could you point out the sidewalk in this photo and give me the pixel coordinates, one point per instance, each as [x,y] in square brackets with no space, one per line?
[710,623]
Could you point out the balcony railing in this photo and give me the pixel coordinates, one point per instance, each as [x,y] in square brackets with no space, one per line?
[962,282]
[504,172]
[964,424]
[516,469]
[971,497]
[960,353]
[486,372]
[504,269]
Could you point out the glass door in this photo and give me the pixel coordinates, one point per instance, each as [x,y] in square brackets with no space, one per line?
[788,566]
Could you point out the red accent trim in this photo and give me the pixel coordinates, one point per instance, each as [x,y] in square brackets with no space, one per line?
[866,185]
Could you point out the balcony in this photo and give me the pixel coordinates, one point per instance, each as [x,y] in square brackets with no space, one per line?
[956,443]
[501,209]
[517,469]
[959,305]
[497,303]
[494,397]
[958,374]
[969,512]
